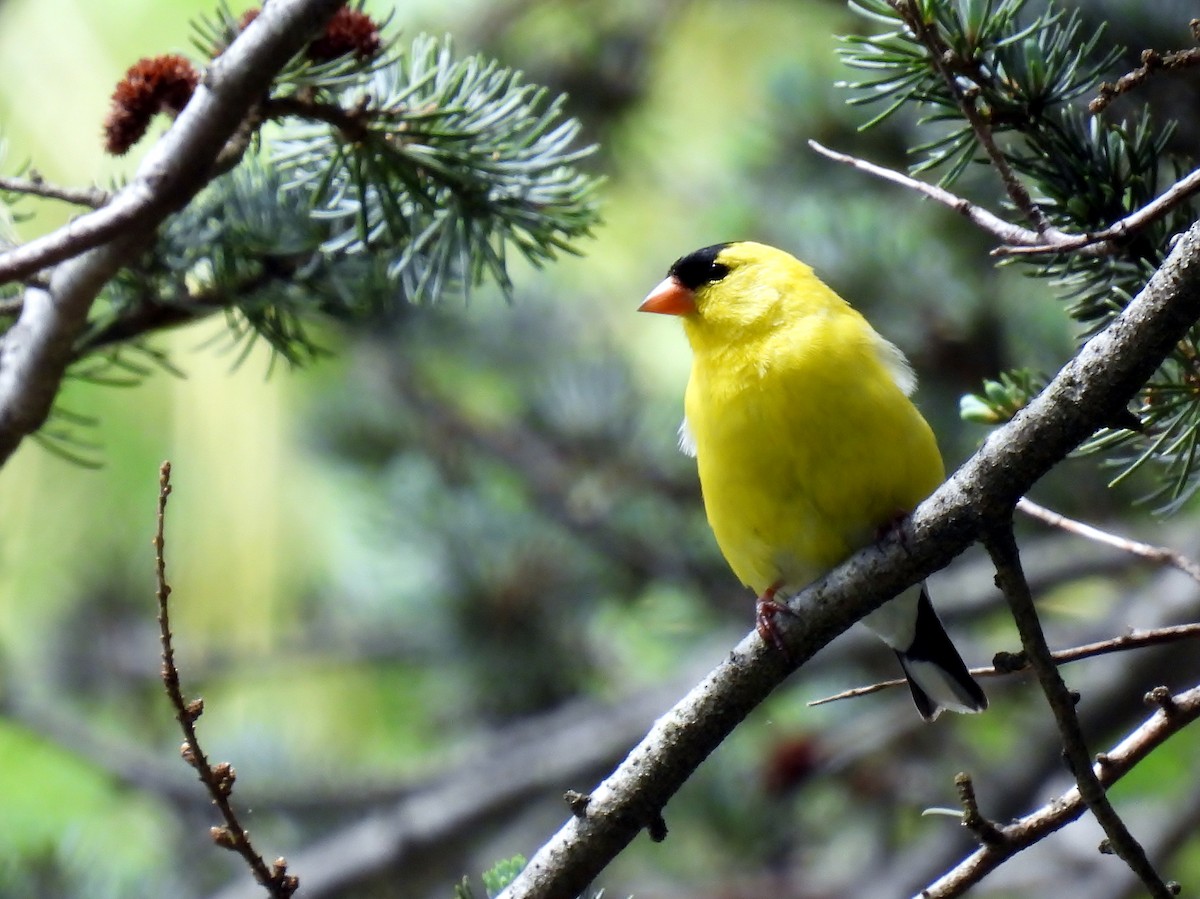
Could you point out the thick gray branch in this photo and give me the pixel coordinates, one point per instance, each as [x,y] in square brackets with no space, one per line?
[1087,393]
[35,352]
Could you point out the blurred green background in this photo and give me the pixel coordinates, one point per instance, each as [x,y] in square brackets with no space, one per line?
[462,535]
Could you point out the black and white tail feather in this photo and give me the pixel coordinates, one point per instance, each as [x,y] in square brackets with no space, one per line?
[937,676]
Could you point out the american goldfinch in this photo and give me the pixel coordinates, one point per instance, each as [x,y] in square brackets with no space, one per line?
[807,444]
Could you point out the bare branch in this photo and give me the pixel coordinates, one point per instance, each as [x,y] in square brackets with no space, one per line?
[218,779]
[985,831]
[1152,62]
[1160,555]
[36,350]
[1098,242]
[75,237]
[37,186]
[1018,241]
[1000,229]
[1002,547]
[1110,767]
[1015,662]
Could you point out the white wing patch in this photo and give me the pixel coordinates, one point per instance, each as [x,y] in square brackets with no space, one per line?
[687,443]
[894,361]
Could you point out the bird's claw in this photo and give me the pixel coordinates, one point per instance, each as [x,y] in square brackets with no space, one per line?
[764,619]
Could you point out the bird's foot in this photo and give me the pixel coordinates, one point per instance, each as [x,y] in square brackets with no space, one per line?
[764,617]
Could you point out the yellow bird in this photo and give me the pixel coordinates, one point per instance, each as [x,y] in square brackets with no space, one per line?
[807,444]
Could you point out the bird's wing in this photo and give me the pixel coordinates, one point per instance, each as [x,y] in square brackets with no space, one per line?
[896,363]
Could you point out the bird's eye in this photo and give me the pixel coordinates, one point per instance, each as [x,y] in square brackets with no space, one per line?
[700,267]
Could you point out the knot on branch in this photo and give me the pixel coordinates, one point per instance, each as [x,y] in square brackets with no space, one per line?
[984,830]
[577,802]
[1009,662]
[657,829]
[1161,697]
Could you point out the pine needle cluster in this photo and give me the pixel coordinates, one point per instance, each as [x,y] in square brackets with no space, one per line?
[999,83]
[374,174]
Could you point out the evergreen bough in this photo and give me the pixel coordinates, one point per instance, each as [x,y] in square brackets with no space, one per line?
[1001,85]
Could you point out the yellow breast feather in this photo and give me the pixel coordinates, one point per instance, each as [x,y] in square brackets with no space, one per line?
[806,446]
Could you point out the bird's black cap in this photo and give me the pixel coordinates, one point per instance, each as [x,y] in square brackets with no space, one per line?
[699,267]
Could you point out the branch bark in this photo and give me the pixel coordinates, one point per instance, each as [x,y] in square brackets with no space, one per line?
[1008,663]
[1159,555]
[1110,767]
[1002,547]
[35,352]
[1089,391]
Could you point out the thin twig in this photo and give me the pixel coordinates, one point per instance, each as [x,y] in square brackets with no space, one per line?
[219,779]
[1000,229]
[1002,547]
[1045,238]
[72,239]
[1160,555]
[973,820]
[351,122]
[1063,809]
[1011,663]
[1152,62]
[1099,242]
[1018,241]
[36,186]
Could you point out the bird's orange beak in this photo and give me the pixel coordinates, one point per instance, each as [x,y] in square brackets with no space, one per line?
[670,298]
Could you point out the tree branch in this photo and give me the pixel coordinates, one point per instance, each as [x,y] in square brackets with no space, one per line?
[1152,62]
[36,351]
[940,57]
[1096,242]
[1004,231]
[37,186]
[1160,555]
[1002,547]
[1011,663]
[1018,241]
[217,779]
[1102,377]
[1110,767]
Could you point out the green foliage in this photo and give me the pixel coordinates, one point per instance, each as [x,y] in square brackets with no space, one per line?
[1015,74]
[387,181]
[246,248]
[450,162]
[495,879]
[503,873]
[1169,437]
[1001,84]
[382,181]
[50,790]
[1001,399]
